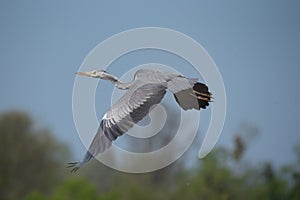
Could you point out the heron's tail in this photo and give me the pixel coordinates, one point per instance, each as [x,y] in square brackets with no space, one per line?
[202,94]
[195,97]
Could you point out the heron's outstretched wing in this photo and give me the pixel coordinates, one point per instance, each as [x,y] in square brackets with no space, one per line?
[128,110]
[132,107]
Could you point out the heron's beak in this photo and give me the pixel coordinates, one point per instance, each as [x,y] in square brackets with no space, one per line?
[83,73]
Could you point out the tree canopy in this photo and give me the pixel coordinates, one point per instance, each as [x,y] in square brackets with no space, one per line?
[30,158]
[32,167]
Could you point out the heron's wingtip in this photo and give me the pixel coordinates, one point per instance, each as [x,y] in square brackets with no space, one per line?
[74,165]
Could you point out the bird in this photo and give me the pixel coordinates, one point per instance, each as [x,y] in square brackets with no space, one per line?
[146,90]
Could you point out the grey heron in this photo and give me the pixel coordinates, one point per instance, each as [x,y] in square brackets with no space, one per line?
[147,89]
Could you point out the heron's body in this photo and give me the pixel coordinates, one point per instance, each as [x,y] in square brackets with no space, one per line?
[146,90]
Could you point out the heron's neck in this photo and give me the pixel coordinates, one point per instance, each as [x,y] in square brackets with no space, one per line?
[114,80]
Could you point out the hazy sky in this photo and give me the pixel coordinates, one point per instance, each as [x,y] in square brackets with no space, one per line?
[255,45]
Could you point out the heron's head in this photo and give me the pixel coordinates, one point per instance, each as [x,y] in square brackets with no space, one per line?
[93,74]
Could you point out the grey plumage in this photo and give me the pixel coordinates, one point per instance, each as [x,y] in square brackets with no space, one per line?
[146,90]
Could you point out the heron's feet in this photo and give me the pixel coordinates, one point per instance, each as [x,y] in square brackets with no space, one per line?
[74,165]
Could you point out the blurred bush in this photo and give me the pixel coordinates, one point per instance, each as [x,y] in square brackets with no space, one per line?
[32,167]
[31,159]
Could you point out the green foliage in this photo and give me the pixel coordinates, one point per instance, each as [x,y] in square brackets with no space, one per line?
[32,162]
[295,191]
[70,189]
[75,189]
[35,195]
[212,179]
[30,158]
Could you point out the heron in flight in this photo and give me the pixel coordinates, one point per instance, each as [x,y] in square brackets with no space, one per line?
[146,90]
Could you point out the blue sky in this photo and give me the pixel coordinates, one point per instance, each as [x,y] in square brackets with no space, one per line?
[255,45]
